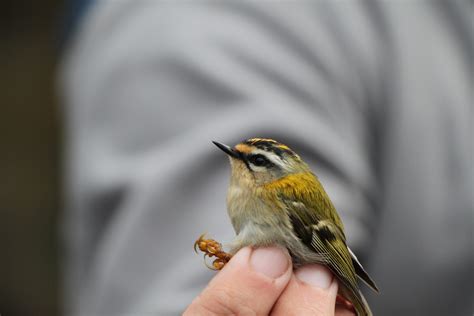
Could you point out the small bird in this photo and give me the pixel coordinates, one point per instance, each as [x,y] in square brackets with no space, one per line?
[275,199]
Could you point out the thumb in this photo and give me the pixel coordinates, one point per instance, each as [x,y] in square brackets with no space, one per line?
[312,290]
[249,284]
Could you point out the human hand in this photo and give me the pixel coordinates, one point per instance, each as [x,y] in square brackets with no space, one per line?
[261,282]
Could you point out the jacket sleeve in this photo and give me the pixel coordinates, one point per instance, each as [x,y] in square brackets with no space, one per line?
[148,84]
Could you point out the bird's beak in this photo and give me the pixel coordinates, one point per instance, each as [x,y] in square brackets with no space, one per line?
[229,151]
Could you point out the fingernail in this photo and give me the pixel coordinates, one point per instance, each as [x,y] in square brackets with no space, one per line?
[315,275]
[271,261]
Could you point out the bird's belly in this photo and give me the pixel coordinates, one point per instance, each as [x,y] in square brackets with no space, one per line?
[259,224]
[257,235]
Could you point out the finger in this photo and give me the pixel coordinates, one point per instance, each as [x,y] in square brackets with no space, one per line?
[249,284]
[312,290]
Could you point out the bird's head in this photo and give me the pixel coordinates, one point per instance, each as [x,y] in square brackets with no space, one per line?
[259,161]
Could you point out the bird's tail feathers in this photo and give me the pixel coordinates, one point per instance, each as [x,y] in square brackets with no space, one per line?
[358,301]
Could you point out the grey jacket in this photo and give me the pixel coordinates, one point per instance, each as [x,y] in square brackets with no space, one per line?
[375,96]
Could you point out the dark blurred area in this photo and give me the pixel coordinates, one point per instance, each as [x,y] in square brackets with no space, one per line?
[29,164]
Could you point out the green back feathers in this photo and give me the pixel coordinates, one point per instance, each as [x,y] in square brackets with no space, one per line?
[306,189]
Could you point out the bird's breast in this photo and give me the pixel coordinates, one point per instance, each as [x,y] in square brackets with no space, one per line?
[257,220]
[243,206]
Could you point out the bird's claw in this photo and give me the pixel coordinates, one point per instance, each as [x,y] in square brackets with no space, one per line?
[197,243]
[212,248]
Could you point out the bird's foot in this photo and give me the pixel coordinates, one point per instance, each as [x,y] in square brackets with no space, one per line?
[212,248]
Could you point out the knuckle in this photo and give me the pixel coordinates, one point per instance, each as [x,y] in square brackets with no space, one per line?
[217,303]
[201,307]
[224,301]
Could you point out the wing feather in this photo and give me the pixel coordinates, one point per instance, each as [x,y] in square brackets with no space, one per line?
[361,273]
[325,237]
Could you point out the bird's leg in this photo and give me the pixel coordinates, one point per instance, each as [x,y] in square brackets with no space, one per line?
[212,248]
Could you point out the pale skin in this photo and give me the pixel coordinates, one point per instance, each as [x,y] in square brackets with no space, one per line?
[262,282]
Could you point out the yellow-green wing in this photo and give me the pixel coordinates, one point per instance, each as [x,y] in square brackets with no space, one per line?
[321,235]
[308,205]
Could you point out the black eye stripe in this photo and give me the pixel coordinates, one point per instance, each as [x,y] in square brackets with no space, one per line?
[259,160]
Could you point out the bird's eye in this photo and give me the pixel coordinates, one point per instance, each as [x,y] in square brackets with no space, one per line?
[258,160]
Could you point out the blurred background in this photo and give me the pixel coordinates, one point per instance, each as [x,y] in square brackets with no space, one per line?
[30,164]
[30,160]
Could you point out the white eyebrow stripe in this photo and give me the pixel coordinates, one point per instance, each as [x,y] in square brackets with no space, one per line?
[271,156]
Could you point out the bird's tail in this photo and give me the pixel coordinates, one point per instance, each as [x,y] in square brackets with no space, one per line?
[358,301]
